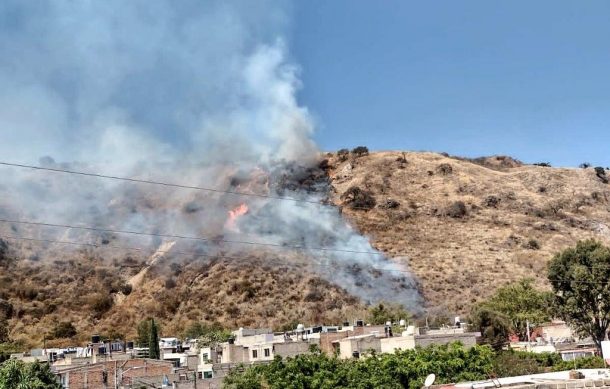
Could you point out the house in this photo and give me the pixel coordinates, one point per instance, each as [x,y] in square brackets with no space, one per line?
[110,374]
[358,345]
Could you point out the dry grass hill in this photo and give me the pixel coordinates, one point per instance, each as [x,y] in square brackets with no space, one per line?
[467,226]
[463,227]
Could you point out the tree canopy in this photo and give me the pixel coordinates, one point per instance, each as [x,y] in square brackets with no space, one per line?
[580,280]
[403,369]
[520,302]
[15,374]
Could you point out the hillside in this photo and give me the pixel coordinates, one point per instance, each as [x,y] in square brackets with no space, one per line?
[511,220]
[462,227]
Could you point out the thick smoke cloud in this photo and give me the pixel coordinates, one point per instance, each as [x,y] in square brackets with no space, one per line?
[198,93]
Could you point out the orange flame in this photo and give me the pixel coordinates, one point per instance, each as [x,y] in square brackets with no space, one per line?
[234,214]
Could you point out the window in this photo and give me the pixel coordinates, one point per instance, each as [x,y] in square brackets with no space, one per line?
[254,353]
[207,374]
[267,352]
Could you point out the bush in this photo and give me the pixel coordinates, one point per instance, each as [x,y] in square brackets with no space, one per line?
[444,169]
[542,164]
[64,330]
[532,244]
[584,165]
[126,289]
[6,310]
[389,204]
[600,172]
[170,283]
[457,210]
[360,151]
[358,198]
[101,303]
[491,201]
[4,331]
[343,154]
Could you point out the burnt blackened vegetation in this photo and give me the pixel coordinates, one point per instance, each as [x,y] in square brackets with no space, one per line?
[600,172]
[296,178]
[358,198]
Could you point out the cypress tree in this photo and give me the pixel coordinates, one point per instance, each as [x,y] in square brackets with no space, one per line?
[153,342]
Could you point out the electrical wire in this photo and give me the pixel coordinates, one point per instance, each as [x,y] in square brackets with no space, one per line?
[174,236]
[151,182]
[167,184]
[178,252]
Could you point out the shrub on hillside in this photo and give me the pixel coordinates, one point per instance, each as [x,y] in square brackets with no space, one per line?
[457,210]
[542,164]
[584,165]
[63,330]
[445,169]
[101,303]
[360,151]
[600,172]
[343,155]
[491,201]
[358,198]
[532,244]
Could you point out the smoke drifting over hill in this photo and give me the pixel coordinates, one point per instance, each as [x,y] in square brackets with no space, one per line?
[186,92]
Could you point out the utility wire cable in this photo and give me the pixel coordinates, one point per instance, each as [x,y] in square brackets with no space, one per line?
[182,186]
[152,251]
[151,182]
[174,236]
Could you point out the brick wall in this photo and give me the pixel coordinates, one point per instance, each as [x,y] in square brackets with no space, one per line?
[103,374]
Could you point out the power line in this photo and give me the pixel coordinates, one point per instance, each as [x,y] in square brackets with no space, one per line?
[151,182]
[185,253]
[182,186]
[174,236]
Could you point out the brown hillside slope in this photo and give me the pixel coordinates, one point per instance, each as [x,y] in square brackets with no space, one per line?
[88,289]
[516,217]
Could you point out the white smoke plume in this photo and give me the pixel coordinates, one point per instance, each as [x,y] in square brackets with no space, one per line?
[190,92]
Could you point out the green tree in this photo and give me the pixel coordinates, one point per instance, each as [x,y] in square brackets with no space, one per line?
[384,312]
[579,277]
[64,330]
[153,342]
[520,303]
[143,331]
[15,374]
[494,326]
[403,369]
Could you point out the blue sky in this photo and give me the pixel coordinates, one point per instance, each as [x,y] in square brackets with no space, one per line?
[527,79]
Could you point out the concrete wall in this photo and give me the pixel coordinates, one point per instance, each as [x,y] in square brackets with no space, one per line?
[362,345]
[290,349]
[468,339]
[389,345]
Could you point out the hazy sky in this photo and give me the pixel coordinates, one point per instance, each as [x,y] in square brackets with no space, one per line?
[526,78]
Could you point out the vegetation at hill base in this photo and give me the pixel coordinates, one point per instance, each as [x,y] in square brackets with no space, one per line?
[580,280]
[403,369]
